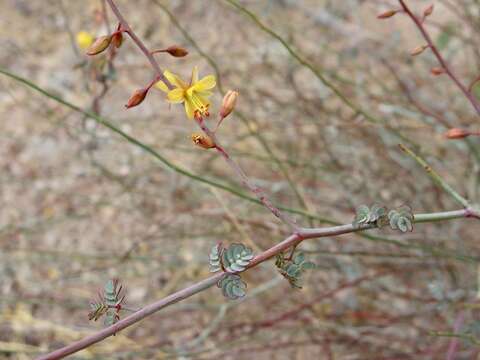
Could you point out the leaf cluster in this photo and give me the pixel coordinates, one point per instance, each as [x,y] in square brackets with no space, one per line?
[108,304]
[231,260]
[293,269]
[400,219]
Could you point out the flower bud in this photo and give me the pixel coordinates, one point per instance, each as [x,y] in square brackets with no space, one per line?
[99,45]
[428,11]
[418,50]
[117,39]
[228,104]
[203,141]
[437,71]
[387,14]
[457,133]
[174,50]
[137,98]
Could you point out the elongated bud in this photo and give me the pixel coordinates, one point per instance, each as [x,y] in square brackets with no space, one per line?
[99,45]
[428,11]
[437,71]
[387,14]
[203,141]
[117,39]
[418,50]
[137,98]
[457,133]
[228,104]
[174,50]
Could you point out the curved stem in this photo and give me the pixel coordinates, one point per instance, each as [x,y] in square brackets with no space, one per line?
[291,241]
[259,193]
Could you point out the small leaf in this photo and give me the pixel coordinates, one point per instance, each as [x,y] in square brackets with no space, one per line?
[293,270]
[401,219]
[376,215]
[299,258]
[236,257]
[362,214]
[232,286]
[214,258]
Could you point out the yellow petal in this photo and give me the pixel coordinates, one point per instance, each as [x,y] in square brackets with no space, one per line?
[174,79]
[203,100]
[194,79]
[162,86]
[204,94]
[176,96]
[189,109]
[207,83]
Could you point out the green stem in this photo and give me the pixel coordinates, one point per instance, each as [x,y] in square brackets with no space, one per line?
[435,176]
[442,216]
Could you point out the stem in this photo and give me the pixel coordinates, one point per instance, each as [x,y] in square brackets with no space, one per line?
[132,319]
[291,241]
[126,27]
[442,216]
[439,57]
[259,193]
[435,176]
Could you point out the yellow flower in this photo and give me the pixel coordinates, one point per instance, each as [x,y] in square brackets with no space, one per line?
[194,95]
[84,40]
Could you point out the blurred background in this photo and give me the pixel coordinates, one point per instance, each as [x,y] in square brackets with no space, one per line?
[80,205]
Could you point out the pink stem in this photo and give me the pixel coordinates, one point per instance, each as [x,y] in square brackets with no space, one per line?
[439,57]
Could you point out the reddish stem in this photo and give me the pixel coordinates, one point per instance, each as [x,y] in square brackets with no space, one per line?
[126,28]
[259,193]
[439,57]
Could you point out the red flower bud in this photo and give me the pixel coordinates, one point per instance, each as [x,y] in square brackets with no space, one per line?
[457,133]
[174,50]
[387,14]
[117,39]
[137,98]
[437,71]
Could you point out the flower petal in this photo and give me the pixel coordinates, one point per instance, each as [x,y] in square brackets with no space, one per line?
[176,96]
[194,79]
[203,100]
[174,79]
[162,86]
[189,108]
[207,83]
[205,94]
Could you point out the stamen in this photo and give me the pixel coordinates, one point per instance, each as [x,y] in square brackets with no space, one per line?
[198,104]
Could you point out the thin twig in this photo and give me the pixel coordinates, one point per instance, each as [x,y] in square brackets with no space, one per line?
[435,176]
[259,193]
[292,240]
[244,178]
[438,55]
[126,27]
